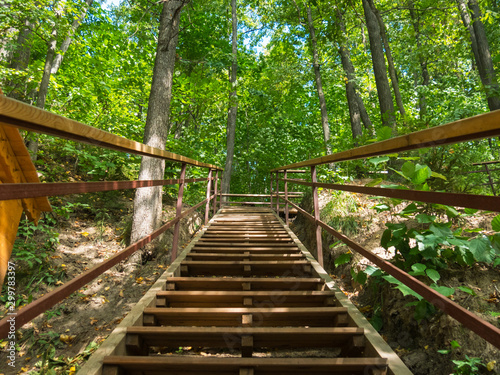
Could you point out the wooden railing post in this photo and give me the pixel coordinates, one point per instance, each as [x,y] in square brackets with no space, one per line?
[319,242]
[286,198]
[209,188]
[277,193]
[178,210]
[215,190]
[271,191]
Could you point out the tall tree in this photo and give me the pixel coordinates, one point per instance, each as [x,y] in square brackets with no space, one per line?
[53,61]
[390,60]
[357,110]
[233,104]
[422,100]
[379,68]
[481,50]
[148,202]
[319,81]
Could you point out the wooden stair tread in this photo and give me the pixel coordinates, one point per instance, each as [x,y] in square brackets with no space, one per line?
[260,365]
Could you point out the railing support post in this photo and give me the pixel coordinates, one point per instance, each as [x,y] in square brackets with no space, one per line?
[215,190]
[209,188]
[277,193]
[178,210]
[271,191]
[319,242]
[286,198]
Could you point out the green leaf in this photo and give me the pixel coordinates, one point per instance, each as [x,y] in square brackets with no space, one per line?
[374,182]
[481,250]
[384,133]
[403,288]
[386,237]
[454,344]
[425,219]
[467,290]
[444,290]
[495,223]
[373,271]
[433,274]
[422,173]
[381,207]
[342,259]
[496,262]
[470,211]
[451,212]
[419,268]
[381,159]
[410,209]
[408,170]
[438,175]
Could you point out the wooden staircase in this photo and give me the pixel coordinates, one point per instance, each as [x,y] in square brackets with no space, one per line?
[247,298]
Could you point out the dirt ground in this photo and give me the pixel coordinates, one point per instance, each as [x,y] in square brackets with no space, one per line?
[64,337]
[416,342]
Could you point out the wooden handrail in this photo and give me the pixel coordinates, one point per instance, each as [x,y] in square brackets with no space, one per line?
[481,126]
[25,116]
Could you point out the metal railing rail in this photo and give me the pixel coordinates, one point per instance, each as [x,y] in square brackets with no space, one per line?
[20,115]
[482,126]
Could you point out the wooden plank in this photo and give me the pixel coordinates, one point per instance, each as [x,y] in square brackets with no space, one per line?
[237,283]
[262,366]
[239,257]
[480,126]
[261,317]
[230,337]
[275,298]
[16,114]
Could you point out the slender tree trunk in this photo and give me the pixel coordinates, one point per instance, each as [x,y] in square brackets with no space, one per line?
[379,69]
[148,202]
[319,82]
[67,41]
[53,61]
[488,76]
[20,60]
[390,60]
[233,107]
[422,100]
[357,110]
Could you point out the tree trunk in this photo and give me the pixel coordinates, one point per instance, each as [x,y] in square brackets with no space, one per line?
[422,100]
[20,59]
[319,82]
[66,43]
[52,63]
[379,69]
[233,107]
[488,75]
[390,60]
[357,110]
[148,201]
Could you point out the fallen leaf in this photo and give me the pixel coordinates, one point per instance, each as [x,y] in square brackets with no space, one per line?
[85,234]
[121,293]
[93,321]
[139,280]
[491,365]
[66,338]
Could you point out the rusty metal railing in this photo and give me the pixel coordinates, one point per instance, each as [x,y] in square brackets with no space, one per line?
[482,126]
[23,116]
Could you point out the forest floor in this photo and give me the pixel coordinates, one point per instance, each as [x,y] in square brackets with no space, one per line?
[416,342]
[60,340]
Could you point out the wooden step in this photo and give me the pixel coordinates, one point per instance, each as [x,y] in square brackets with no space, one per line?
[251,316]
[350,338]
[241,250]
[245,245]
[249,240]
[274,268]
[244,283]
[189,365]
[276,298]
[242,256]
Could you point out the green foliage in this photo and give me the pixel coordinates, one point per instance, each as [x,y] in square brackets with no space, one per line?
[340,212]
